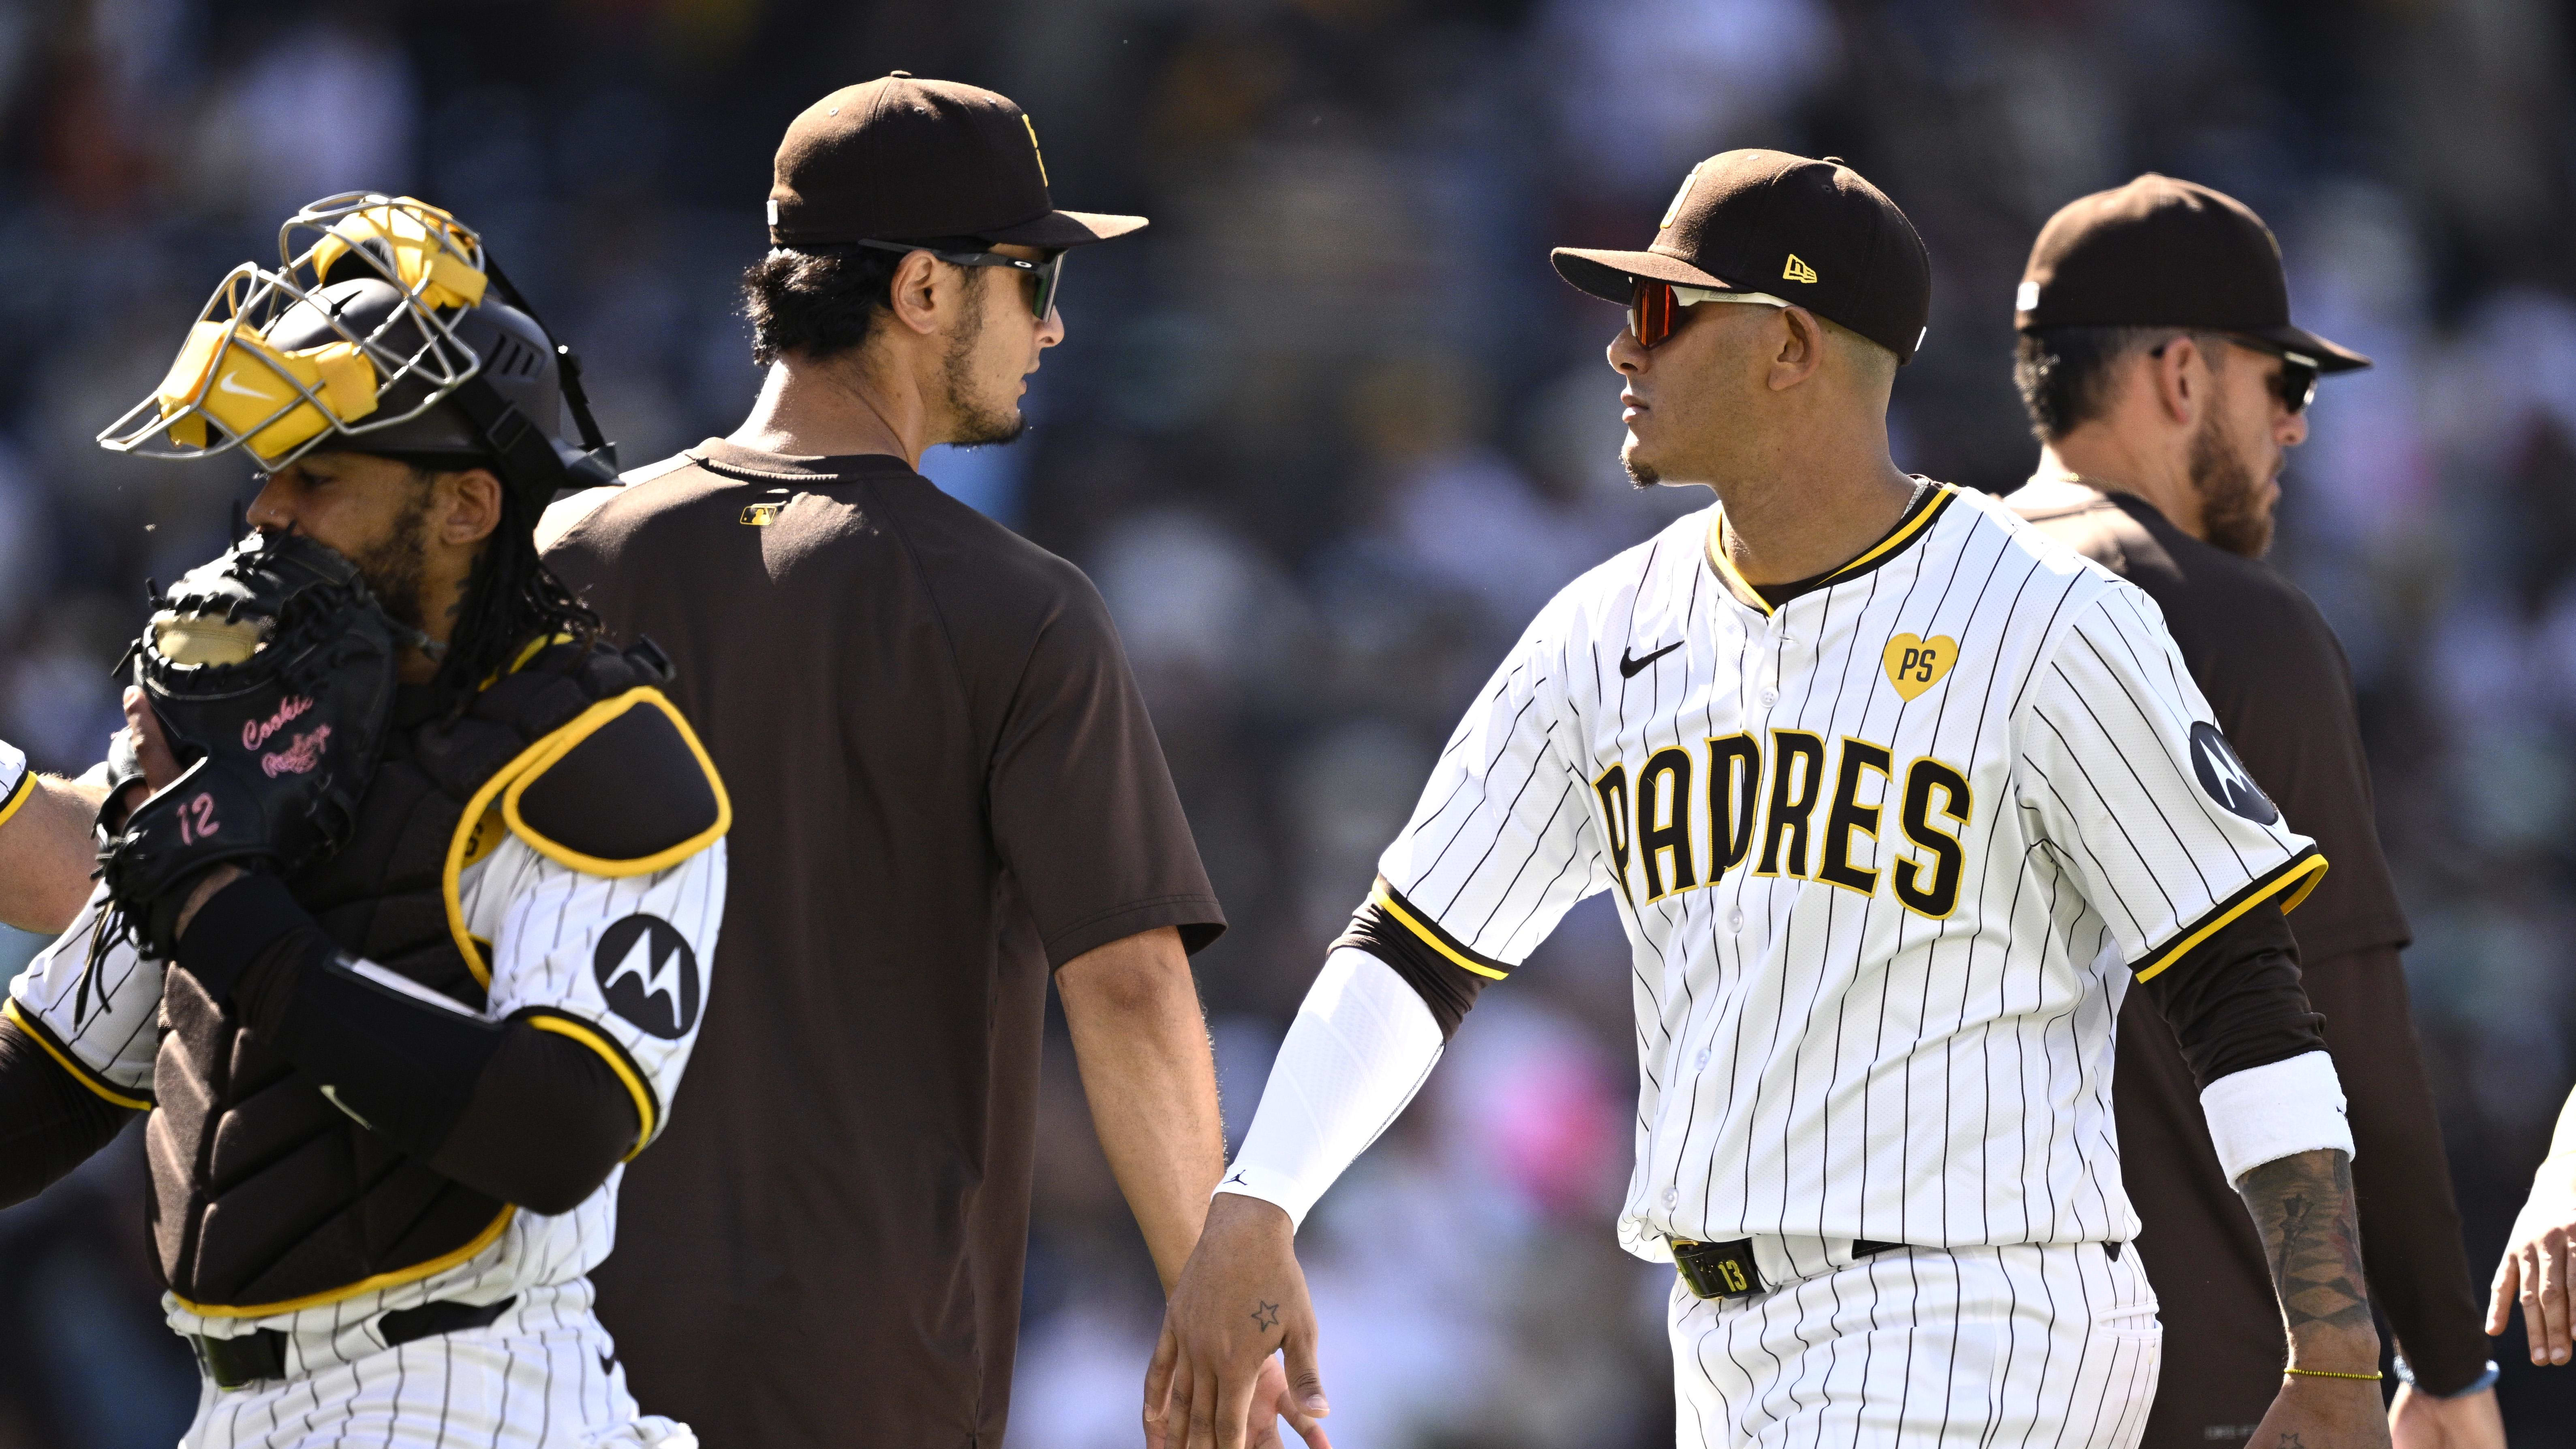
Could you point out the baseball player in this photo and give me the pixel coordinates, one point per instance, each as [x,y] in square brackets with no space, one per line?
[2167,384]
[1897,800]
[46,855]
[951,795]
[405,953]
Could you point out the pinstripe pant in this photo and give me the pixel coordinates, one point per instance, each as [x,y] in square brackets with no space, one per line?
[543,1375]
[2054,1346]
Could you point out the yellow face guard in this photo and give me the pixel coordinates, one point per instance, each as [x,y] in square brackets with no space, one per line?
[230,387]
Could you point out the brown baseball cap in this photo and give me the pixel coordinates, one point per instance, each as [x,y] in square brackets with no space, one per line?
[900,158]
[2165,253]
[1810,232]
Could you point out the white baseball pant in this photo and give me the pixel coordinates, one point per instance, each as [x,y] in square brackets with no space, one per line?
[2048,1346]
[543,1375]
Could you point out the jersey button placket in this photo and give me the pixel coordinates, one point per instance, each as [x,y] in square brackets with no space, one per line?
[1777,627]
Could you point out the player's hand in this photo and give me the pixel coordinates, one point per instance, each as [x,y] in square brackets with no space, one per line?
[160,766]
[1240,1302]
[2421,1421]
[2313,1413]
[2535,1270]
[1272,1402]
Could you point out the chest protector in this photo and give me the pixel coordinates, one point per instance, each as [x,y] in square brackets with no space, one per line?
[266,1197]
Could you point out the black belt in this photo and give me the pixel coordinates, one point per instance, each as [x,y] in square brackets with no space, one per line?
[233,1362]
[1726,1270]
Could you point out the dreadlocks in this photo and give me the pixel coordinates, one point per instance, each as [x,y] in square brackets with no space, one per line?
[511,600]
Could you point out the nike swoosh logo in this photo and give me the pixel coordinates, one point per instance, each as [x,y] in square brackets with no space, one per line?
[226,382]
[1628,667]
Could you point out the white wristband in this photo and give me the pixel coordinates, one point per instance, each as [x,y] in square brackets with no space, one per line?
[2266,1113]
[1360,1048]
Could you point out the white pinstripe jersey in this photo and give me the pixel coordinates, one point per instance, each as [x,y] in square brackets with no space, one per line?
[1888,858]
[556,936]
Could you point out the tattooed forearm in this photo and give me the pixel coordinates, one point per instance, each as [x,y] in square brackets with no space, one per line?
[2302,1206]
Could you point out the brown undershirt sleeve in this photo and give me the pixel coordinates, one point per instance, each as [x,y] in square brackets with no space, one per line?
[1449,990]
[49,1122]
[2235,1001]
[2410,1226]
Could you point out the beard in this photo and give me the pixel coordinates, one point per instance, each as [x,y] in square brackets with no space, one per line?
[979,421]
[397,567]
[1641,476]
[2233,512]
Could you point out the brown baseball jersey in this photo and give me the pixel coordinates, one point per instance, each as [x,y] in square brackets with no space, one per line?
[2278,682]
[945,785]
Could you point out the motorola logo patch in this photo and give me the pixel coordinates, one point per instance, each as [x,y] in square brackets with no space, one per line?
[2225,778]
[649,975]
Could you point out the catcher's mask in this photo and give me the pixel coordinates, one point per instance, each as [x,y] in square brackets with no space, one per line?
[385,329]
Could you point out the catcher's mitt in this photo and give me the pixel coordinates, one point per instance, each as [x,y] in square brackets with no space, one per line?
[272,672]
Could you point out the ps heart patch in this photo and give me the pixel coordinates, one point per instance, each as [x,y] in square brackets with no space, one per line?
[1915,664]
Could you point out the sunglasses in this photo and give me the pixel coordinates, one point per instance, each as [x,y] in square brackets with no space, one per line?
[1049,274]
[1654,308]
[2295,384]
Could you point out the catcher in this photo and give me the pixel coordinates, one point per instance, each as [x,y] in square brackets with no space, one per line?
[405,949]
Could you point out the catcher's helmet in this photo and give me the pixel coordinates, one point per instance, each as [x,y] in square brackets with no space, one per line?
[388,332]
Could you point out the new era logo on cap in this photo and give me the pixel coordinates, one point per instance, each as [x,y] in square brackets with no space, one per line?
[1797,271]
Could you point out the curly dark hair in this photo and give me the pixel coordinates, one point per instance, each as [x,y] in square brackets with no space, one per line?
[824,301]
[2064,373]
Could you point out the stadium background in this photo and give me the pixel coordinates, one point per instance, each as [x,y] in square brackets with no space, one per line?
[1326,435]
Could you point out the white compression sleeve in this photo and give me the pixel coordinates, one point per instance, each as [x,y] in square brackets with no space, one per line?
[2269,1112]
[1360,1048]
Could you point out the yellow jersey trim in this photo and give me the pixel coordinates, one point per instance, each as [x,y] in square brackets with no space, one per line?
[394,1279]
[534,647]
[583,726]
[1714,547]
[18,797]
[1384,895]
[1941,496]
[80,1074]
[582,1032]
[2303,871]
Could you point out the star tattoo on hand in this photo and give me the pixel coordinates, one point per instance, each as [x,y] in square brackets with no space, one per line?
[1266,1316]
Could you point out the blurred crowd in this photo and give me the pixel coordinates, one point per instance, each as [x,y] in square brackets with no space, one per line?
[1326,435]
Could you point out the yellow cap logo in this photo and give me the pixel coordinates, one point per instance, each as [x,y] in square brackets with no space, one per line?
[1797,271]
[760,515]
[1915,664]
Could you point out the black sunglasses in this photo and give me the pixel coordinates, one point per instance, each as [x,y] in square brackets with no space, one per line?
[2295,384]
[2296,377]
[1049,273]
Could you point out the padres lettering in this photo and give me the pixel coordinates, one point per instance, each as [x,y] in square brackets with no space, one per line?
[1679,839]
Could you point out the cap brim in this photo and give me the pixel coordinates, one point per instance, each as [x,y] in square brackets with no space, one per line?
[2330,356]
[1060,229]
[1606,275]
